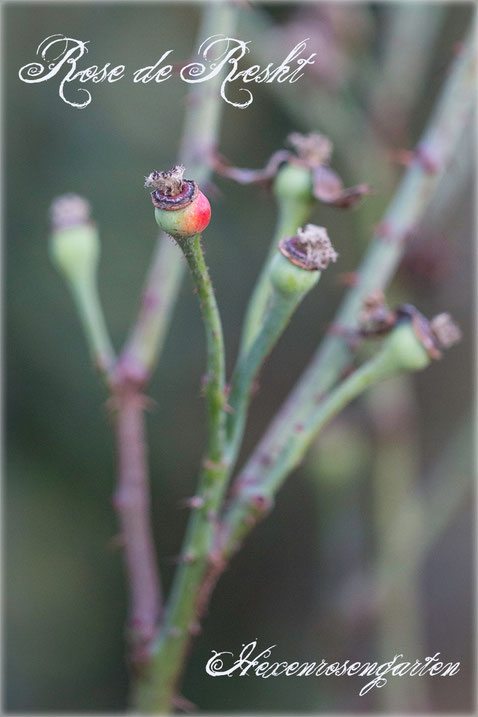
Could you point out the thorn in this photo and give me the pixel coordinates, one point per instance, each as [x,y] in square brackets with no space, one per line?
[347,278]
[195,502]
[181,703]
[174,632]
[111,404]
[227,408]
[182,559]
[402,156]
[347,372]
[260,503]
[350,336]
[383,229]
[428,160]
[211,466]
[115,542]
[458,48]
[194,629]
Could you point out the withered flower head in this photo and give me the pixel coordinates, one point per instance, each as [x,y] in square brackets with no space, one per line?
[69,210]
[169,183]
[313,148]
[181,209]
[312,152]
[311,249]
[445,330]
[375,318]
[441,332]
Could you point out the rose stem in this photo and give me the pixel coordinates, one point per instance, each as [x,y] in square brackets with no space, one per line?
[157,691]
[141,352]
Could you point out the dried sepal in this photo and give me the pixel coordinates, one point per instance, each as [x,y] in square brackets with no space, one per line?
[170,190]
[312,152]
[310,249]
[252,176]
[168,183]
[329,189]
[313,148]
[439,333]
[375,318]
[445,330]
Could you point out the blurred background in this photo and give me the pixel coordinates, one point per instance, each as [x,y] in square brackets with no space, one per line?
[369,551]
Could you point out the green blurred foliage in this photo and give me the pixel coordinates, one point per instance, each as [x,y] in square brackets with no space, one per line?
[65,593]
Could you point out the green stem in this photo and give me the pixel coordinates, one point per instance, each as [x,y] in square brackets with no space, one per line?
[85,294]
[215,345]
[292,214]
[277,315]
[156,693]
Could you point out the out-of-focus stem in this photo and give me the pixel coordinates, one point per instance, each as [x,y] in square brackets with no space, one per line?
[411,201]
[396,470]
[336,114]
[131,501]
[89,308]
[410,32]
[424,515]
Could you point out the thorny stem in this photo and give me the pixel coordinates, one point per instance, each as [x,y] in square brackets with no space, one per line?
[131,501]
[412,199]
[141,352]
[215,378]
[157,692]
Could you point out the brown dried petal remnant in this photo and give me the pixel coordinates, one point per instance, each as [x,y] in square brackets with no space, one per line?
[69,210]
[445,330]
[171,190]
[375,316]
[439,333]
[170,184]
[311,249]
[314,148]
[312,151]
[375,319]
